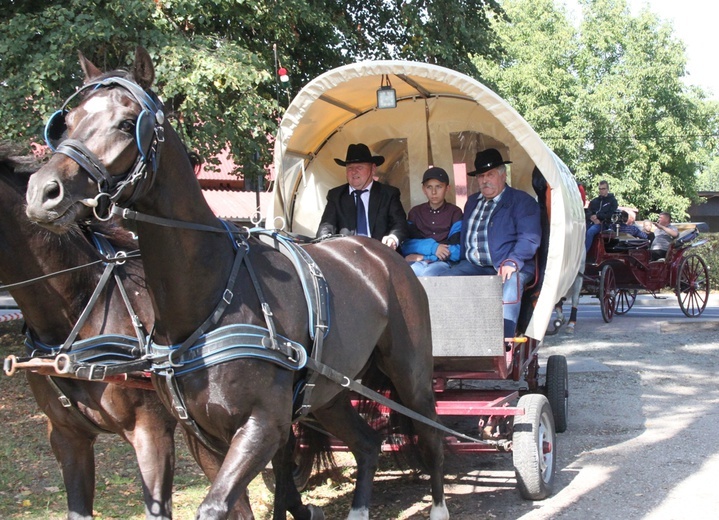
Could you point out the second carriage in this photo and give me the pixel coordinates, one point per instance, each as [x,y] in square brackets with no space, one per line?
[618,267]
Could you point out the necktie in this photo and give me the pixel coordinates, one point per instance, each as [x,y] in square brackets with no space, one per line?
[361,214]
[487,209]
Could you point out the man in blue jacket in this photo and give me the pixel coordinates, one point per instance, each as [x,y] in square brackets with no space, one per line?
[501,232]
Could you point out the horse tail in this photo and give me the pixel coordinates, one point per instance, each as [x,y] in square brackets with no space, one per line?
[400,435]
[313,455]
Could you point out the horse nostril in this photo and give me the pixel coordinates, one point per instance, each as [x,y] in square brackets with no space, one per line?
[52,191]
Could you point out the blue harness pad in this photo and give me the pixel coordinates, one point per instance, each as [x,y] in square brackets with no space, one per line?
[233,342]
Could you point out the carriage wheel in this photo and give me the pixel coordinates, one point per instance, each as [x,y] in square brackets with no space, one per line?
[534,447]
[625,300]
[557,391]
[693,285]
[607,293]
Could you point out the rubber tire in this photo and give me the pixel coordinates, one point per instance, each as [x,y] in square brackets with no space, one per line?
[557,391]
[692,285]
[625,300]
[607,293]
[535,469]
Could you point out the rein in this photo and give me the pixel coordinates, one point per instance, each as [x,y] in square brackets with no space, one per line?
[117,259]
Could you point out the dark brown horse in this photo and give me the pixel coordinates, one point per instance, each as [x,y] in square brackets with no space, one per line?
[378,309]
[51,308]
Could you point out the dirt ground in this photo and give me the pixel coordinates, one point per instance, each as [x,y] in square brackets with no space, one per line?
[642,434]
[641,441]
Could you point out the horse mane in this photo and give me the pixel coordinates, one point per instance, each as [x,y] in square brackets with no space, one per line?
[15,161]
[117,235]
[12,155]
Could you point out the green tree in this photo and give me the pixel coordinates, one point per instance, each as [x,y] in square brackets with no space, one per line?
[215,60]
[608,97]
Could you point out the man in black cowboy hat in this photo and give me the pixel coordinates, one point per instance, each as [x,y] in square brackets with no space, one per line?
[501,232]
[364,206]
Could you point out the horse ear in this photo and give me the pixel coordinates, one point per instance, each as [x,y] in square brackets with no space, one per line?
[143,72]
[88,68]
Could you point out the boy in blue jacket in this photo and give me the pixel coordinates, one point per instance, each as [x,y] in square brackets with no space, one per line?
[434,227]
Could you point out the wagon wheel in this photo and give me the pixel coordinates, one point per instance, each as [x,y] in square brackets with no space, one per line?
[625,300]
[557,391]
[534,447]
[607,293]
[692,285]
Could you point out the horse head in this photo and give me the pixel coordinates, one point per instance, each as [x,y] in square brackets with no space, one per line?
[106,147]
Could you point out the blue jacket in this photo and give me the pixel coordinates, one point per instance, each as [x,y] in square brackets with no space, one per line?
[514,229]
[428,246]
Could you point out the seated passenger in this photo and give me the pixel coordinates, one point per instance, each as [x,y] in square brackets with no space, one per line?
[663,236]
[599,212]
[364,206]
[501,232]
[626,226]
[433,227]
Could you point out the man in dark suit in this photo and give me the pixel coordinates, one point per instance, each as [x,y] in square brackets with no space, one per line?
[364,206]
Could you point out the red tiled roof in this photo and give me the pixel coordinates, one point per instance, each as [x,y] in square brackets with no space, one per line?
[237,205]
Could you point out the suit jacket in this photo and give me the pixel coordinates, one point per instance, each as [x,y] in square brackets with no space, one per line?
[514,230]
[386,214]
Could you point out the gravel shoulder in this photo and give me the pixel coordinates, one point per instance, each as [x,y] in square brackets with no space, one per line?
[643,428]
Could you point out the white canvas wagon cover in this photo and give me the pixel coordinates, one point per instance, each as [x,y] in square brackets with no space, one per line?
[442,118]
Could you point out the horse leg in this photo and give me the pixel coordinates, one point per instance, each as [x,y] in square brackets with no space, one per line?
[251,449]
[342,420]
[154,444]
[287,497]
[74,451]
[414,388]
[210,463]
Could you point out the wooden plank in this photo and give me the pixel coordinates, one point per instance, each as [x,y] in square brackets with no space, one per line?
[466,315]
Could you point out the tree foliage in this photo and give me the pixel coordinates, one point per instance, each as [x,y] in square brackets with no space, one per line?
[215,60]
[608,97]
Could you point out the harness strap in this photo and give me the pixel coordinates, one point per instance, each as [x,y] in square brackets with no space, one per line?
[88,308]
[266,311]
[127,256]
[351,384]
[235,341]
[222,305]
[72,410]
[317,297]
[104,246]
[178,404]
[86,159]
[129,214]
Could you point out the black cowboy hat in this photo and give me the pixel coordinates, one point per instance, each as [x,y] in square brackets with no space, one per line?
[359,153]
[487,160]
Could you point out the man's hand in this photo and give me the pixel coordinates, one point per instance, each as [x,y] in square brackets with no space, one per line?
[390,241]
[506,271]
[442,252]
[414,258]
[594,219]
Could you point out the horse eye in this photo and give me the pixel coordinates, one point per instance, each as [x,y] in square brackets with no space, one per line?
[128,126]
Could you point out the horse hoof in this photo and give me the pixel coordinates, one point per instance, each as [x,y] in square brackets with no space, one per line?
[359,514]
[316,513]
[439,512]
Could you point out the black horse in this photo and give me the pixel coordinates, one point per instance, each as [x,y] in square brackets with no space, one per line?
[244,406]
[51,308]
